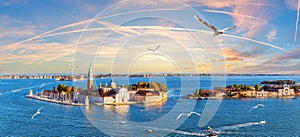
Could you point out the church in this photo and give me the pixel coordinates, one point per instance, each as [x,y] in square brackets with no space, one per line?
[108,93]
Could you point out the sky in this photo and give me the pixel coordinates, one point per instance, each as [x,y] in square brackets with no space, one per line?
[114,36]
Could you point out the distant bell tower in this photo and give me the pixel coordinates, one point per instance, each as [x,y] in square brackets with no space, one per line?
[90,79]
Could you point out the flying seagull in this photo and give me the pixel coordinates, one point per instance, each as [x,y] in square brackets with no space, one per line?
[36,113]
[255,107]
[213,28]
[187,115]
[154,49]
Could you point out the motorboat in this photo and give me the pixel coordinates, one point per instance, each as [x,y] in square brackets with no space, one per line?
[211,133]
[149,130]
[262,122]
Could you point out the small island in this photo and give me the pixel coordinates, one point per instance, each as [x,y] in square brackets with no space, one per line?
[109,94]
[266,89]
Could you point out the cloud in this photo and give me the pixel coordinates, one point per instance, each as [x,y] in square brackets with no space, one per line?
[244,13]
[271,35]
[292,4]
[295,54]
[13,28]
[236,14]
[37,53]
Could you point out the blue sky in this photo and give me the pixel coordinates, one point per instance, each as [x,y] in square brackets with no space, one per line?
[114,35]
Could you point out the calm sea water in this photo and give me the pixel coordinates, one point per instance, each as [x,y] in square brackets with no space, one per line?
[233,116]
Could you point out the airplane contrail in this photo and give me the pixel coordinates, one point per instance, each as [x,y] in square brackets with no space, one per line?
[48,33]
[14,45]
[297,20]
[169,28]
[196,30]
[237,14]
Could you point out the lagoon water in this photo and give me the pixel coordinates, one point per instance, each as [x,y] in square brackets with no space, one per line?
[232,118]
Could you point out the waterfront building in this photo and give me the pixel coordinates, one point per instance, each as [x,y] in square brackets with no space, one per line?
[113,94]
[272,94]
[262,94]
[149,95]
[122,95]
[282,91]
[249,93]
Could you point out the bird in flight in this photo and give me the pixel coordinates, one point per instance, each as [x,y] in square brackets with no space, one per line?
[154,49]
[255,107]
[187,114]
[213,28]
[36,113]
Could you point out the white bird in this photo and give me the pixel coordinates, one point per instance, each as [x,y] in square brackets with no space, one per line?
[154,49]
[73,66]
[36,113]
[216,31]
[255,107]
[187,115]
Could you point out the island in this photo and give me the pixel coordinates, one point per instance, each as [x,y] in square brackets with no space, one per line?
[265,89]
[146,93]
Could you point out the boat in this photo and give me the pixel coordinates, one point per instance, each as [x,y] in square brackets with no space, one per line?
[294,98]
[262,122]
[149,130]
[211,133]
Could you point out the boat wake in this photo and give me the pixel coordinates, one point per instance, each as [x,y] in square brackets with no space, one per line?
[189,133]
[179,132]
[36,86]
[44,84]
[20,89]
[241,125]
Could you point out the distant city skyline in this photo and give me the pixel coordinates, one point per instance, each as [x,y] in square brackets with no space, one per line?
[113,35]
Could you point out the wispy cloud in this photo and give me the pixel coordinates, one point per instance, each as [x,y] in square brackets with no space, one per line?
[236,14]
[11,28]
[244,12]
[292,4]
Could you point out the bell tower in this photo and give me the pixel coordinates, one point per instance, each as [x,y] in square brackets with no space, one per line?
[90,79]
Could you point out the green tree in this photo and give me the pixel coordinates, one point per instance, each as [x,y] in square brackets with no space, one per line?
[237,86]
[143,85]
[61,87]
[54,89]
[154,86]
[248,87]
[67,89]
[266,87]
[200,92]
[257,87]
[75,88]
[296,88]
[162,87]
